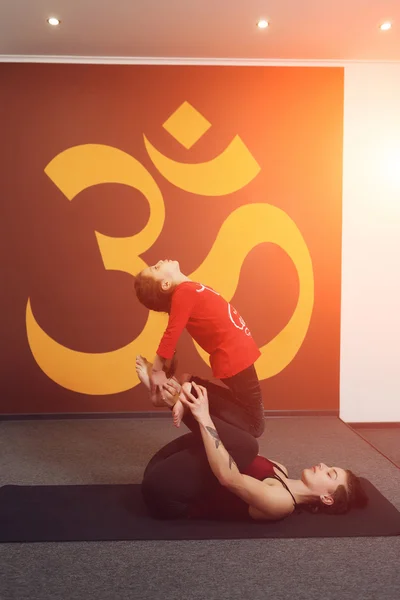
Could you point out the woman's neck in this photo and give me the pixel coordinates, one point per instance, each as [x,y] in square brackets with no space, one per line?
[299,490]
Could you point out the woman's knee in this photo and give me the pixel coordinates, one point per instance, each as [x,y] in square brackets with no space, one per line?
[254,446]
[250,450]
[258,428]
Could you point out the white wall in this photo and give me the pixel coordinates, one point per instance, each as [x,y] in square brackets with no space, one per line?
[370,327]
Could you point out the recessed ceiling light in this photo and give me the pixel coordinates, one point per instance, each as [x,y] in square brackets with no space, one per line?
[385,26]
[262,24]
[53,21]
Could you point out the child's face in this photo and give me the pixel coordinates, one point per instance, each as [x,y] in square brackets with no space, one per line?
[163,271]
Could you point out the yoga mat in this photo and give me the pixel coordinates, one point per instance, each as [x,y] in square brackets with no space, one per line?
[117,512]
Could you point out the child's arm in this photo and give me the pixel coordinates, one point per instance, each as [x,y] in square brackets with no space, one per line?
[158,363]
[157,378]
[162,370]
[183,301]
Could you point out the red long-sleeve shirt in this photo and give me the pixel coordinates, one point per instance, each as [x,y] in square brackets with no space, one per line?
[214,324]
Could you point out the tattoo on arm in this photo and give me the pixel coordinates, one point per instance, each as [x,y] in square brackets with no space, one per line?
[215,435]
[232,462]
[217,440]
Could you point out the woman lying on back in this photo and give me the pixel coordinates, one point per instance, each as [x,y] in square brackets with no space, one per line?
[215,472]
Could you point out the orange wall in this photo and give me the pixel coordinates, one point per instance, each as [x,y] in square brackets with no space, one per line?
[270,206]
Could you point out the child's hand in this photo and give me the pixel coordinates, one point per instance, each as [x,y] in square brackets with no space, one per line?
[197,405]
[171,390]
[157,380]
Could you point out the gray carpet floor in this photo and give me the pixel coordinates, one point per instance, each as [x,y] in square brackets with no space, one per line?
[95,451]
[386,440]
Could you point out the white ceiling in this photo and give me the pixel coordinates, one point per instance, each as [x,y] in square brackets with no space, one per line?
[223,29]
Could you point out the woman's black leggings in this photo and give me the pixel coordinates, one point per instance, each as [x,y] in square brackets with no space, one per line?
[179,474]
[240,405]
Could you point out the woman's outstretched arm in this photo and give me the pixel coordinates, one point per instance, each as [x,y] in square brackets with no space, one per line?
[272,501]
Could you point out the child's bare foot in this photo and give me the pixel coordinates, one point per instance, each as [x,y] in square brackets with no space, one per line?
[171,390]
[142,370]
[185,377]
[179,409]
[177,413]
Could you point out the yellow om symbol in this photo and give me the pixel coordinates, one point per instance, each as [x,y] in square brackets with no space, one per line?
[80,167]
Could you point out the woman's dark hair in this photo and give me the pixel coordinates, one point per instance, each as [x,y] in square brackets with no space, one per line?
[150,293]
[343,499]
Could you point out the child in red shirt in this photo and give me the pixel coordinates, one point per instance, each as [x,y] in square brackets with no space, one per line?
[216,326]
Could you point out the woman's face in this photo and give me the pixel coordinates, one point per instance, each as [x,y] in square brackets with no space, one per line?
[322,479]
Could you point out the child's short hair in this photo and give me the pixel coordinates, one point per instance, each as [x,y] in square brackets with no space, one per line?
[150,293]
